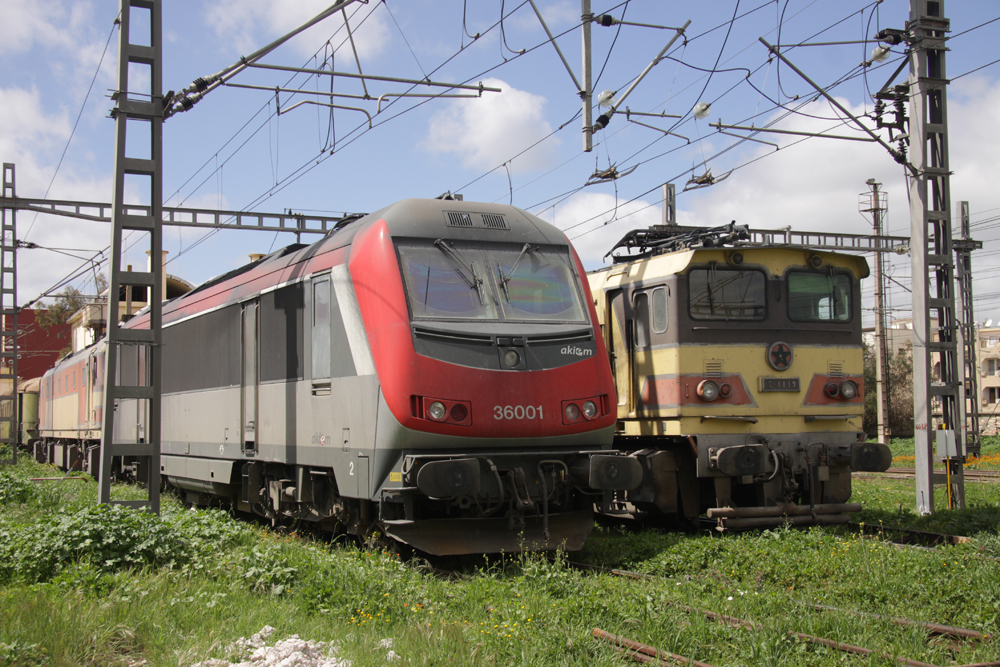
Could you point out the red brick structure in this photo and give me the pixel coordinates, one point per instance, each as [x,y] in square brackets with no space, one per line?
[39,348]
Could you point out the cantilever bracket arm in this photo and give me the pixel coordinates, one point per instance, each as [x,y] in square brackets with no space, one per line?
[187,98]
[552,39]
[897,156]
[752,128]
[605,118]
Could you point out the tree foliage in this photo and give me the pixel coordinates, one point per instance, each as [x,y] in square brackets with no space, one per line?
[900,388]
[66,303]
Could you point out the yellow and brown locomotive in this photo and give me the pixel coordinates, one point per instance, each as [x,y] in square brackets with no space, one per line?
[739,377]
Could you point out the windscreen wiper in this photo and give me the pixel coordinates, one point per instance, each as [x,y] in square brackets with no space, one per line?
[504,279]
[475,282]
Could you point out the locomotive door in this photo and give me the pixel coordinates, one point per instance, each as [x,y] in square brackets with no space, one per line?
[249,375]
[618,330]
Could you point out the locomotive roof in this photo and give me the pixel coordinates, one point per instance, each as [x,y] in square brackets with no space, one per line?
[774,259]
[408,218]
[437,218]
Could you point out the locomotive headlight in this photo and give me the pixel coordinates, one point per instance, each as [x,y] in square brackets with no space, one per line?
[436,411]
[459,412]
[589,409]
[849,390]
[572,411]
[511,358]
[708,390]
[832,390]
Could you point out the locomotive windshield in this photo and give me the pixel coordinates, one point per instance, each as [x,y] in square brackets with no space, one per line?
[817,297]
[536,285]
[445,281]
[726,294]
[442,282]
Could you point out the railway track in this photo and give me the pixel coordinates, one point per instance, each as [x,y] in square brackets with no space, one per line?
[989,476]
[646,654]
[643,653]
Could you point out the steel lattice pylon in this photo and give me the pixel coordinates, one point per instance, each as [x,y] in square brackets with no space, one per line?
[9,423]
[142,166]
[933,259]
[969,334]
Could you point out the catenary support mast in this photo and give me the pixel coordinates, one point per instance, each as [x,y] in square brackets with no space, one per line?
[10,424]
[875,203]
[132,367]
[933,259]
[969,334]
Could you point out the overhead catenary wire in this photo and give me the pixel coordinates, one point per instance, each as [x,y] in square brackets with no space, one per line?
[284,181]
[76,123]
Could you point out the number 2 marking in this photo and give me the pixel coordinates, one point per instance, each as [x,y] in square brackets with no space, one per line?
[352,467]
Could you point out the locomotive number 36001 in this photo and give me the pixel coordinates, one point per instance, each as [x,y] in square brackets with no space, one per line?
[517,412]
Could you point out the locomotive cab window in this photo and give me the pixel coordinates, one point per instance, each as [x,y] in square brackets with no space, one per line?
[819,297]
[536,285]
[726,294]
[450,281]
[446,282]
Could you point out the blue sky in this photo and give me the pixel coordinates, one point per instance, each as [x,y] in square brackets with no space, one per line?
[523,145]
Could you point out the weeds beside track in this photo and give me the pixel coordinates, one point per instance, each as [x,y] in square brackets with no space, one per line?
[228,579]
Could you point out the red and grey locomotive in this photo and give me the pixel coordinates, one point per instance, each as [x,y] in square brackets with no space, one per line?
[433,372]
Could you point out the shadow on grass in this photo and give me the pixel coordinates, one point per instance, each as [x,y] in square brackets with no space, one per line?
[968,521]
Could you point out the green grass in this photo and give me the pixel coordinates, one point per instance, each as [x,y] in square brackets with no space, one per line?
[81,586]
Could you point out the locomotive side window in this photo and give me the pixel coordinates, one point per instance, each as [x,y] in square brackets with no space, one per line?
[726,294]
[819,297]
[650,308]
[321,329]
[536,285]
[659,303]
[446,283]
[640,304]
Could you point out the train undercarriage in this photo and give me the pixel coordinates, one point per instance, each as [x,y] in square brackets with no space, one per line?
[743,482]
[446,504]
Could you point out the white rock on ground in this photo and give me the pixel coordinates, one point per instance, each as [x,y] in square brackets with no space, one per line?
[293,651]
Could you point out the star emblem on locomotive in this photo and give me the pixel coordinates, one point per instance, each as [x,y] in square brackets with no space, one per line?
[780,356]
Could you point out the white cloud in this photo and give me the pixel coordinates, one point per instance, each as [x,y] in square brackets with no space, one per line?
[33,140]
[593,223]
[251,24]
[54,29]
[54,24]
[812,185]
[815,186]
[491,130]
[558,16]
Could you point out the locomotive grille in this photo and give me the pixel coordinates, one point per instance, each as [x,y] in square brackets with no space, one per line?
[713,368]
[456,219]
[494,221]
[836,369]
